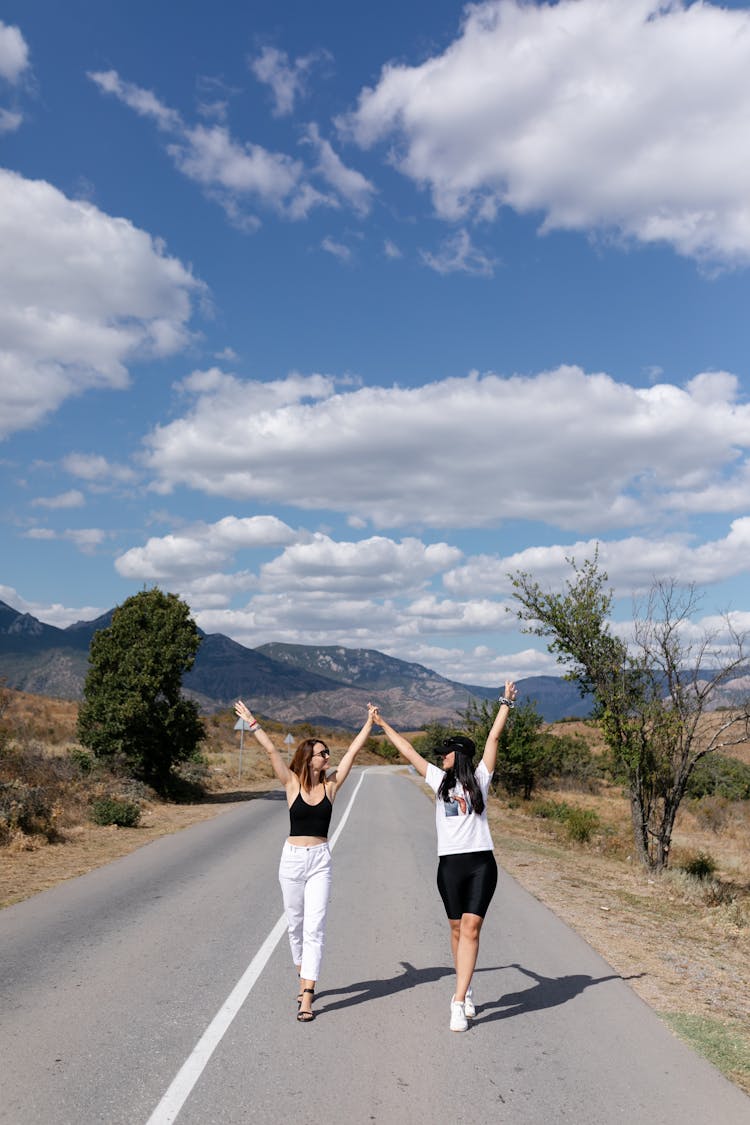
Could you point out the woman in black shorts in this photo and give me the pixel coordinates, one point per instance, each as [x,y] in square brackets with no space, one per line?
[467,872]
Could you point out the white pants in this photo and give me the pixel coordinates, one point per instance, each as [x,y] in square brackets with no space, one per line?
[305,877]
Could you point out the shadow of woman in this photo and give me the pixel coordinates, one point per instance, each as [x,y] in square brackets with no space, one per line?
[548,992]
[364,990]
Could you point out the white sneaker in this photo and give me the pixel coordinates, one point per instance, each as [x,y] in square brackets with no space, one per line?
[458,1016]
[469,1008]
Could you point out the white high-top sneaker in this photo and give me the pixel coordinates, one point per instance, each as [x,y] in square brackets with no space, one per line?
[458,1016]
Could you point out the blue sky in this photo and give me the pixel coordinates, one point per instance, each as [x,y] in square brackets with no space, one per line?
[328,317]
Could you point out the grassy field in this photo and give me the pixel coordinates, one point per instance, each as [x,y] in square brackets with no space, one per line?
[683,942]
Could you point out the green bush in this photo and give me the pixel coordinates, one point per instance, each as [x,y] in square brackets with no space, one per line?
[573,762]
[700,866]
[550,810]
[114,810]
[581,824]
[716,775]
[82,759]
[383,749]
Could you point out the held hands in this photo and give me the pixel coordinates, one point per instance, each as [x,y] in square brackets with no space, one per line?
[372,713]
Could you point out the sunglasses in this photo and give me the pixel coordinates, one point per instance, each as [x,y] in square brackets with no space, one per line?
[325,752]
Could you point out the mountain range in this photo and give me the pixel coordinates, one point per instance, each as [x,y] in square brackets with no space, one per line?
[324,685]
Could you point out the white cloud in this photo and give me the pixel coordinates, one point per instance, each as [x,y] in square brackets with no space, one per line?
[211,157]
[9,121]
[41,533]
[71,499]
[95,468]
[351,185]
[201,548]
[391,250]
[68,321]
[632,564]
[458,254]
[430,614]
[227,355]
[14,53]
[86,539]
[337,249]
[239,174]
[576,451]
[601,115]
[144,102]
[371,566]
[286,79]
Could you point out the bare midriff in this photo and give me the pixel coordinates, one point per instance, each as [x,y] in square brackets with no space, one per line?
[306,841]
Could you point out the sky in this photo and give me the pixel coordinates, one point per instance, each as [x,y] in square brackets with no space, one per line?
[331,317]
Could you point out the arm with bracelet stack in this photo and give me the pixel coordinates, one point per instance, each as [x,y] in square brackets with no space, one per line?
[278,764]
[507,703]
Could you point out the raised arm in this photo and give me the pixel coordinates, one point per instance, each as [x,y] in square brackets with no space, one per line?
[402,745]
[341,772]
[278,764]
[490,747]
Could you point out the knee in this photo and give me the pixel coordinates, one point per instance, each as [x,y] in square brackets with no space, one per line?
[470,927]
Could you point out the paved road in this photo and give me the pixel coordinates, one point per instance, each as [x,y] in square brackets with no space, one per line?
[109,982]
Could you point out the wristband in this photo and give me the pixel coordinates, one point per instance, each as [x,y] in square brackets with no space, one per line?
[254,726]
[508,702]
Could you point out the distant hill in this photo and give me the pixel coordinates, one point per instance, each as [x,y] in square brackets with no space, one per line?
[292,683]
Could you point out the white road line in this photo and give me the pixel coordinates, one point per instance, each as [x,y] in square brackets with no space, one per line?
[191,1070]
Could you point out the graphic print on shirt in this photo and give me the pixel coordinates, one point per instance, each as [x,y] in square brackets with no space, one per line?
[458,803]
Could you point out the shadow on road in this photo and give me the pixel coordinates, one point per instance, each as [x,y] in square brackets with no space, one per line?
[548,992]
[364,990]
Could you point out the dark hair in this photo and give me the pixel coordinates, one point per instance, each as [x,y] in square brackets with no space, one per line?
[300,763]
[462,770]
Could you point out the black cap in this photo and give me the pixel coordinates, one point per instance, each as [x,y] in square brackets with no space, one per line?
[460,744]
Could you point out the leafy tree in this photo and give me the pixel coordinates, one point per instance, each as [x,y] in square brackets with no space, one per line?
[133,710]
[526,754]
[434,734]
[654,699]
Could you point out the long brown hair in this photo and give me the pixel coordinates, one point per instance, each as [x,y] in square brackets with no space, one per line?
[300,763]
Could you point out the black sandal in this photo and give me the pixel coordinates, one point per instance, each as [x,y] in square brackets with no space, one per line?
[306,1017]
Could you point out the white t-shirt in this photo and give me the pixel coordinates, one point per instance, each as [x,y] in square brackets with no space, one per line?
[458,828]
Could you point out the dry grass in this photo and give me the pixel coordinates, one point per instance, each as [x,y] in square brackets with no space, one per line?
[685,942]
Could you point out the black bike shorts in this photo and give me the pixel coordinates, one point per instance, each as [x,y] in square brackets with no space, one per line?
[467,883]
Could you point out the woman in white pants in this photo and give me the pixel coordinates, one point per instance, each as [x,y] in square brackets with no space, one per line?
[305,867]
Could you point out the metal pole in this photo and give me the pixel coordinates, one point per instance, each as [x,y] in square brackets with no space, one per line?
[242,736]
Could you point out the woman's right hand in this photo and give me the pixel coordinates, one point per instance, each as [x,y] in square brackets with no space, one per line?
[243,713]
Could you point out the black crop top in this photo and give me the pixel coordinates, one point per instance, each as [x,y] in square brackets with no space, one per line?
[310,820]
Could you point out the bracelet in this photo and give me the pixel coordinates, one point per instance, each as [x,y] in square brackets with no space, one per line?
[255,725]
[508,702]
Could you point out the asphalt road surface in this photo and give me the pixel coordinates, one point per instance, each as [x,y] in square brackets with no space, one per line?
[160,988]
